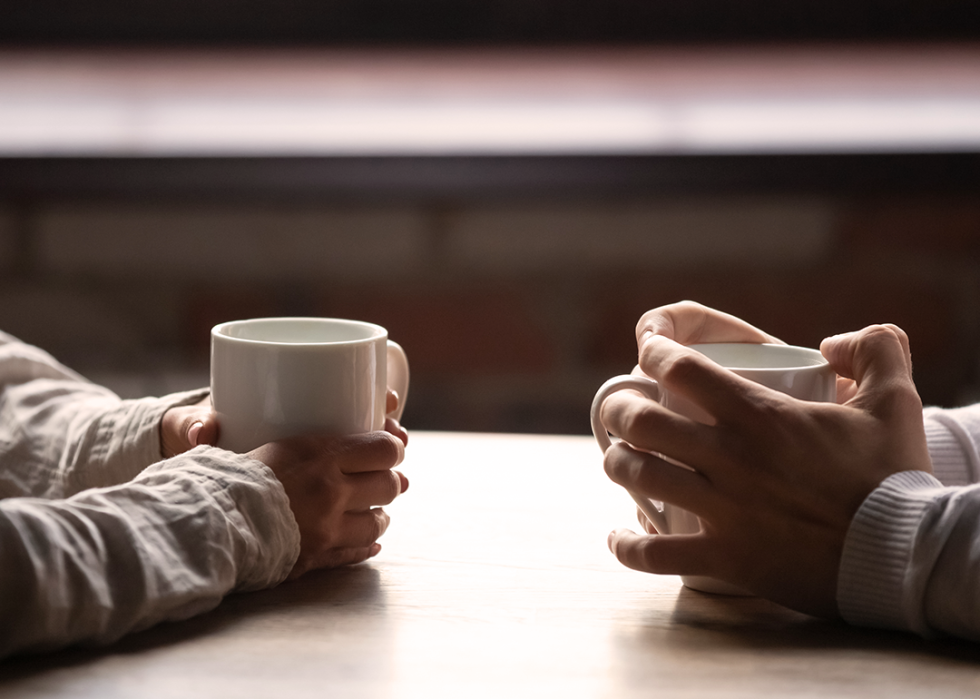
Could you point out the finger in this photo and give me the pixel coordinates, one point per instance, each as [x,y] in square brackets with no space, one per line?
[372,451]
[186,427]
[688,373]
[391,402]
[877,358]
[645,522]
[333,558]
[876,347]
[203,431]
[374,488]
[360,529]
[394,427]
[351,556]
[648,475]
[649,426]
[846,388]
[690,323]
[903,339]
[679,554]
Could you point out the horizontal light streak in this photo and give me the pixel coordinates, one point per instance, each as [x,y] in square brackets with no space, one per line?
[32,125]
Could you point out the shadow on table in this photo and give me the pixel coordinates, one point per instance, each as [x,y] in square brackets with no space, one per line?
[351,590]
[755,623]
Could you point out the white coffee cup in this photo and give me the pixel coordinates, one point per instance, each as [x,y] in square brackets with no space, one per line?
[799,372]
[273,378]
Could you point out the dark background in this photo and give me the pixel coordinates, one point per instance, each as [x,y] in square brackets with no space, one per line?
[493,349]
[457,22]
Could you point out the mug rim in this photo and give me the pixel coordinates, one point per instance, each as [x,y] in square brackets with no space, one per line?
[817,360]
[376,332]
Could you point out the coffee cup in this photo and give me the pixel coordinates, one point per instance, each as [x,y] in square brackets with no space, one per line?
[799,372]
[273,378]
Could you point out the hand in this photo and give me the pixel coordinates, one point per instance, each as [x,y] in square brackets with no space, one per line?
[190,426]
[335,486]
[187,427]
[691,323]
[776,480]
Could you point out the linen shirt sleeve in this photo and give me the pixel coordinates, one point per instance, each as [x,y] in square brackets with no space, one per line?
[138,540]
[911,559]
[61,434]
[166,546]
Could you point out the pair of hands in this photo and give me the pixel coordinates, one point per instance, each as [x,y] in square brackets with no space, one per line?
[335,485]
[776,480]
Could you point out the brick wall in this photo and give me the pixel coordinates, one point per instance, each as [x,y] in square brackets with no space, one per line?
[512,312]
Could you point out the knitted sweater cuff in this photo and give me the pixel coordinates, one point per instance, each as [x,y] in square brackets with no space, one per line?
[874,585]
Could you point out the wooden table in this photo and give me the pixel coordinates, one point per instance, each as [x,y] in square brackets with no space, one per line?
[495,581]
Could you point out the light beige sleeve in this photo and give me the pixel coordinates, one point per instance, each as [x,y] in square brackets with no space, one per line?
[61,434]
[165,546]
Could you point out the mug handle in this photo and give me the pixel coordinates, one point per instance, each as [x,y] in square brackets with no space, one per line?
[398,376]
[653,509]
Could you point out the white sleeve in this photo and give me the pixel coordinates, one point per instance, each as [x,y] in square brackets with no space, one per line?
[165,546]
[911,559]
[953,436]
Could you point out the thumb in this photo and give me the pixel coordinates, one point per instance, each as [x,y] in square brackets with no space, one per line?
[186,427]
[878,359]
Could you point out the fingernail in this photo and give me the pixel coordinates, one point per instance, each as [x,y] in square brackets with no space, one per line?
[193,432]
[404,482]
[375,550]
[609,541]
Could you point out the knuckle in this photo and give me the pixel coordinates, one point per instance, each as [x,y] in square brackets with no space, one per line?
[648,552]
[682,369]
[897,331]
[301,447]
[689,306]
[392,488]
[625,415]
[879,334]
[380,523]
[627,467]
[641,418]
[387,450]
[327,538]
[903,398]
[613,461]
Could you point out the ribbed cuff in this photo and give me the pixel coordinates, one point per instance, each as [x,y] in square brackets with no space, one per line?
[874,582]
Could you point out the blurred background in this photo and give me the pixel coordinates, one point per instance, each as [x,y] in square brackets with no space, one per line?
[506,186]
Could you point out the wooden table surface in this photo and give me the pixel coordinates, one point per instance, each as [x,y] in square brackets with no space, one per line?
[495,581]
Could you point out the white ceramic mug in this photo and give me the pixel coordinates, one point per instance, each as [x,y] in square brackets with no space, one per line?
[273,378]
[796,371]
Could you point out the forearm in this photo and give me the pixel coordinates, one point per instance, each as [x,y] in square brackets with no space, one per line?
[166,546]
[911,560]
[59,437]
[110,442]
[60,434]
